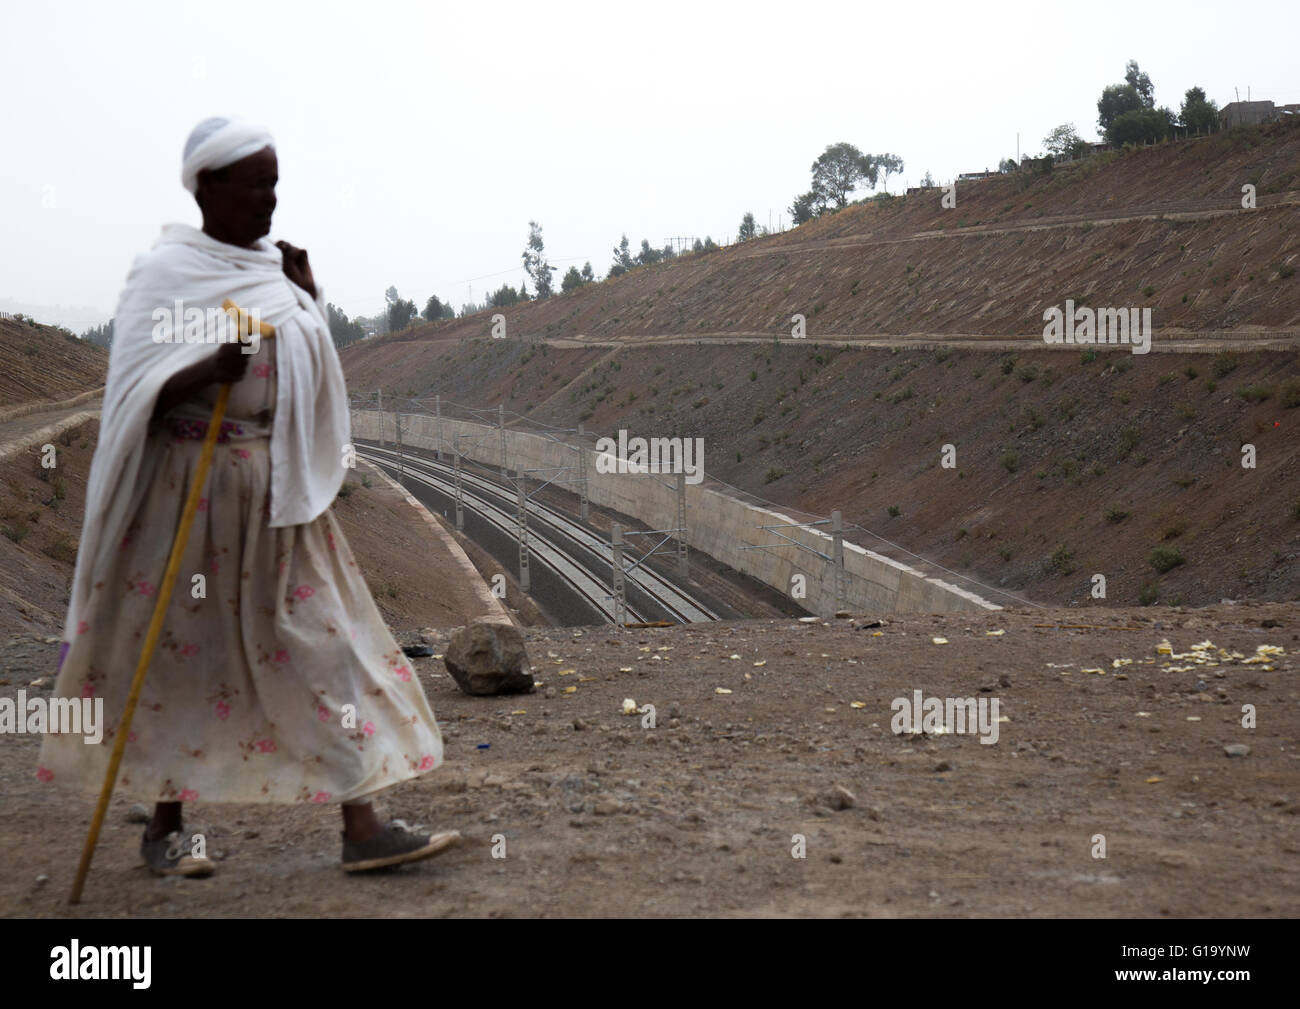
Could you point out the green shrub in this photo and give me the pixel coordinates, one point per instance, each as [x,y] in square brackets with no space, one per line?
[1062,560]
[894,511]
[1224,363]
[1165,559]
[773,474]
[1116,515]
[1256,393]
[1010,460]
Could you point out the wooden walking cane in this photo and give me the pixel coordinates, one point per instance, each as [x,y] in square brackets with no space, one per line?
[244,323]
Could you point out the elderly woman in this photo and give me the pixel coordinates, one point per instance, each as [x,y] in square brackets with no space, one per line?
[275,679]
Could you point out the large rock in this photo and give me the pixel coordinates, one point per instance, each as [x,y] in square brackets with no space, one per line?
[489,658]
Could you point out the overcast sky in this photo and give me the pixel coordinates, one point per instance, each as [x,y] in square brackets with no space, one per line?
[417,140]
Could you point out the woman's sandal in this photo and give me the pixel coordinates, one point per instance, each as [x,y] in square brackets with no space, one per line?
[170,856]
[396,844]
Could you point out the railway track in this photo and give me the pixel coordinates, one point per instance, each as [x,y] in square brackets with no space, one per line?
[570,551]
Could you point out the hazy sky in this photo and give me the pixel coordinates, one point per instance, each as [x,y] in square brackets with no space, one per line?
[417,140]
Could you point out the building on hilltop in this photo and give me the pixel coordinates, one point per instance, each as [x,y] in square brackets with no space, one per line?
[1254,113]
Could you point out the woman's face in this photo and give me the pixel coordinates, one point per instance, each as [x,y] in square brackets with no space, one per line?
[237,201]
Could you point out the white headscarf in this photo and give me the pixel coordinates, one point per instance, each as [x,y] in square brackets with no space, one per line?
[218,142]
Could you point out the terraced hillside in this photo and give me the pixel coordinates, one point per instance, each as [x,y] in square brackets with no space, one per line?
[1068,463]
[45,364]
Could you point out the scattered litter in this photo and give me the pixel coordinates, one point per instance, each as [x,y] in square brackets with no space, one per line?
[940,641]
[1154,781]
[856,704]
[721,690]
[877,634]
[520,711]
[1144,714]
[570,690]
[760,662]
[994,634]
[1193,718]
[1165,648]
[629,706]
[624,669]
[1099,672]
[567,672]
[483,746]
[809,620]
[733,656]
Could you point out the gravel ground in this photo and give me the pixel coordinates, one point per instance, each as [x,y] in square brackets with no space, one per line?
[701,815]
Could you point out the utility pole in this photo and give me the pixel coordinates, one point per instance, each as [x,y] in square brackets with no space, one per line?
[683,568]
[501,422]
[380,394]
[460,494]
[616,565]
[837,561]
[522,519]
[401,454]
[437,410]
[583,503]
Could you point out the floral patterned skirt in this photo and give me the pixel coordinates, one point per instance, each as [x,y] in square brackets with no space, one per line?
[275,679]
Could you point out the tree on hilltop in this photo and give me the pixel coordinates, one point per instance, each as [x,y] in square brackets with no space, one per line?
[1197,112]
[1064,141]
[535,264]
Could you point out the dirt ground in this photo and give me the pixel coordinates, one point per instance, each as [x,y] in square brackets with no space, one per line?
[599,815]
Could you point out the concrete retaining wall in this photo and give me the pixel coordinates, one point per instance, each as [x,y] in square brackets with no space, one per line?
[719,525]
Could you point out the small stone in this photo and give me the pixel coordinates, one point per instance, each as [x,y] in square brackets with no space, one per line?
[1237,750]
[840,797]
[42,879]
[1004,680]
[579,724]
[607,806]
[942,766]
[139,813]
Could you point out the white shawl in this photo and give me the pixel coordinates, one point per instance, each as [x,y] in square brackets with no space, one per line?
[311,425]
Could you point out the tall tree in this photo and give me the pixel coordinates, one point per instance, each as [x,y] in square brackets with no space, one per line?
[343,331]
[400,311]
[535,264]
[588,274]
[887,164]
[1134,95]
[571,281]
[839,170]
[748,229]
[622,259]
[433,308]
[1064,141]
[1197,113]
[648,255]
